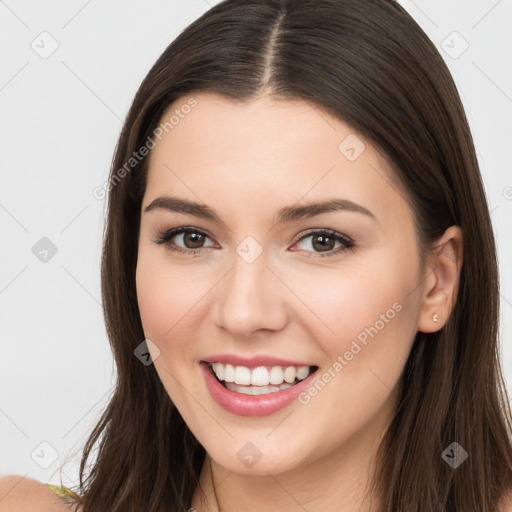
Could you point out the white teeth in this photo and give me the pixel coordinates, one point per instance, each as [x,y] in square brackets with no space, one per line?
[218,368]
[256,390]
[289,374]
[302,372]
[261,376]
[242,375]
[229,372]
[276,375]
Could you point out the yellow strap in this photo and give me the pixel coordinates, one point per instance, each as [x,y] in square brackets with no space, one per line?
[61,491]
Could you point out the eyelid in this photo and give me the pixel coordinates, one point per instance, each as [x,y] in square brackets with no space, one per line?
[165,236]
[331,232]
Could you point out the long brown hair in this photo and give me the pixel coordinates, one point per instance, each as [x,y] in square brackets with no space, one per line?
[368,63]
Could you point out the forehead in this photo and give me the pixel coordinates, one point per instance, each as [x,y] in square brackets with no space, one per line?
[266,151]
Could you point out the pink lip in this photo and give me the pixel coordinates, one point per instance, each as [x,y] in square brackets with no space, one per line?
[253,405]
[252,362]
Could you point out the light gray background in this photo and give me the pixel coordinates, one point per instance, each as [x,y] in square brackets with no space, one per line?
[61,116]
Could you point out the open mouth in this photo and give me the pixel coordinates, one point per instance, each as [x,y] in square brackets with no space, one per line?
[260,380]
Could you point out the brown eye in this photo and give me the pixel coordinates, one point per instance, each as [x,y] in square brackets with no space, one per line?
[186,240]
[324,241]
[193,240]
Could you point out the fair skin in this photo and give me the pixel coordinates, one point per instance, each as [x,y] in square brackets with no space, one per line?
[247,161]
[24,494]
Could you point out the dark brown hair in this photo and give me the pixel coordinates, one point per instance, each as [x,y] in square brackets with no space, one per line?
[368,63]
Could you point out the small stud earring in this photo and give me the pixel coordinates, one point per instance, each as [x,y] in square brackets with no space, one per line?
[435,318]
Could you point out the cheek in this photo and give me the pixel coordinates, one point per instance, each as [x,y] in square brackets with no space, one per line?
[168,309]
[368,306]
[169,300]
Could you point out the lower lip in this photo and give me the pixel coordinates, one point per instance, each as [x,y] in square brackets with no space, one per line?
[251,405]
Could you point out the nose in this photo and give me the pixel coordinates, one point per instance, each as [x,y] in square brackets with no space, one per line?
[250,299]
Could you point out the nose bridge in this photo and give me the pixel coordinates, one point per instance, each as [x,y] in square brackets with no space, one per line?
[248,299]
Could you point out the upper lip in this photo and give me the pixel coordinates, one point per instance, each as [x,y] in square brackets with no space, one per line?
[253,361]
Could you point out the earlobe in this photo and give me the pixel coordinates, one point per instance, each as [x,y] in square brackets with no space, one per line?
[441,281]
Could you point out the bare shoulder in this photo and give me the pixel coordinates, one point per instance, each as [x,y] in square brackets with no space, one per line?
[22,494]
[506,502]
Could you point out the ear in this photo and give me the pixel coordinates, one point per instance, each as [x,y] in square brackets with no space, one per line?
[441,281]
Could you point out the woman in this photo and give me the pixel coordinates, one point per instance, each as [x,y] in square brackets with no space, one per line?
[299,277]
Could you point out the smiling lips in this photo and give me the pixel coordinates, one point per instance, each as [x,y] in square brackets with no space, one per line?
[257,386]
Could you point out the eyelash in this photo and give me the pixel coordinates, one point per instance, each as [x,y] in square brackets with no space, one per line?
[165,237]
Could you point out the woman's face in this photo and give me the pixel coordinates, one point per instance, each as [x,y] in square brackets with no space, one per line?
[263,286]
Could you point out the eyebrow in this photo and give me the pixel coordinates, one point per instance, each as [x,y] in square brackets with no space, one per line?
[285,215]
